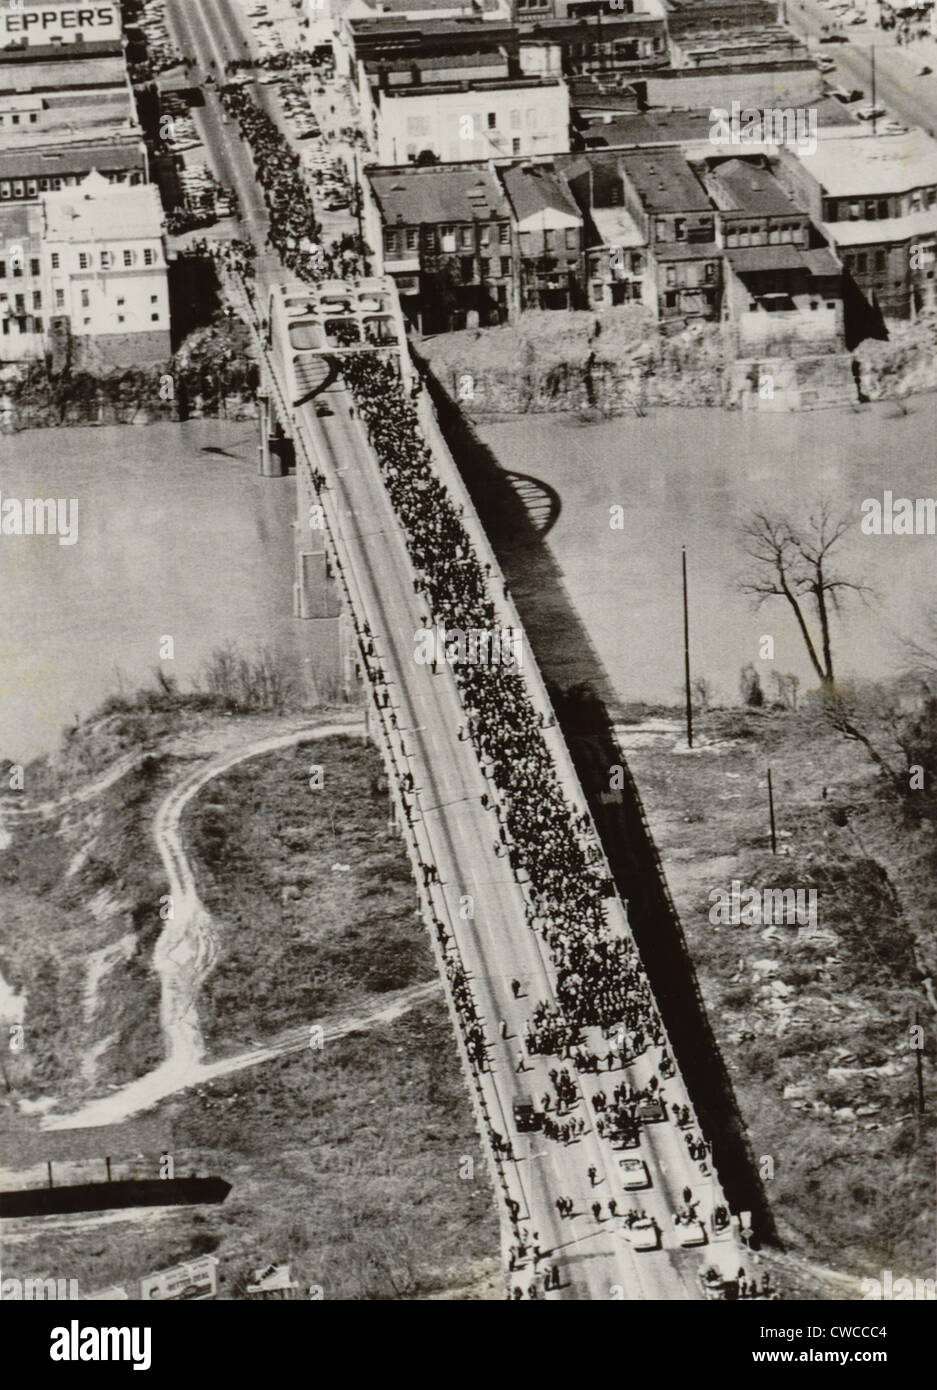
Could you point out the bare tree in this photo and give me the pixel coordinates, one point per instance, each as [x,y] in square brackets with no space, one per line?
[793,560]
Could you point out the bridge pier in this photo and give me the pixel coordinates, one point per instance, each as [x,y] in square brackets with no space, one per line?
[275,451]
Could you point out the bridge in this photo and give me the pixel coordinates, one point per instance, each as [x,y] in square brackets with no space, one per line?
[352,554]
[476,907]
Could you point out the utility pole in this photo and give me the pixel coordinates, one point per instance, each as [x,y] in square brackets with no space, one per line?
[774,838]
[686,657]
[874,118]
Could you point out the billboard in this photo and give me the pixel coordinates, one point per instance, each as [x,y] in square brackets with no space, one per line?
[197,1279]
[30,22]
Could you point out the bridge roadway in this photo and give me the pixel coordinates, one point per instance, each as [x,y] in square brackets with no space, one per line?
[496,944]
[453,830]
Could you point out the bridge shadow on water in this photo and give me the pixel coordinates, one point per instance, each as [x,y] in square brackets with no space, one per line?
[584,699]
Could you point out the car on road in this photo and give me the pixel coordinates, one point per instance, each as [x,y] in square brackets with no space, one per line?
[691,1233]
[870,112]
[650,1111]
[825,62]
[923,71]
[834,38]
[891,127]
[527,1117]
[645,1234]
[634,1174]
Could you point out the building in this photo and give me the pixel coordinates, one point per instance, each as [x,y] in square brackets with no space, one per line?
[549,230]
[34,23]
[463,120]
[444,235]
[677,223]
[21,282]
[608,43]
[876,200]
[780,288]
[34,167]
[106,284]
[54,88]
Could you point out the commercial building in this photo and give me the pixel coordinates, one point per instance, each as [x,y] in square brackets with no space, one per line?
[106,282]
[876,200]
[464,120]
[78,83]
[36,167]
[444,235]
[549,230]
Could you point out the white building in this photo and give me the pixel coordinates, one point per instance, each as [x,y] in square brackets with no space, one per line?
[21,288]
[31,23]
[106,280]
[452,121]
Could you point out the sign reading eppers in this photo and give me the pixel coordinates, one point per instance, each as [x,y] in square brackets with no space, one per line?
[57,21]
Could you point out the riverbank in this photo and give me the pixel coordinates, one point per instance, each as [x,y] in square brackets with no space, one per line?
[814,1019]
[212,375]
[618,362]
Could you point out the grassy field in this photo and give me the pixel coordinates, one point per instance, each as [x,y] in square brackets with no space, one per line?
[814,1023]
[309,888]
[360,1163]
[350,1163]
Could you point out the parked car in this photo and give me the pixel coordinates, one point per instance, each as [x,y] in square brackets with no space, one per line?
[870,112]
[834,38]
[825,62]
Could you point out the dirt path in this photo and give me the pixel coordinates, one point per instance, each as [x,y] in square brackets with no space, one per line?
[188,945]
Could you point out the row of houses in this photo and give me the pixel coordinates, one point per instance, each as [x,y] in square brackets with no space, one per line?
[719,240]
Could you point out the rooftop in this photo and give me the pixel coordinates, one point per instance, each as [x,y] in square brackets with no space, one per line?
[95,207]
[665,182]
[750,259]
[739,186]
[532,188]
[85,66]
[491,84]
[616,227]
[873,165]
[37,161]
[438,193]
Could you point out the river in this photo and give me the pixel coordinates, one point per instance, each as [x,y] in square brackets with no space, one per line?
[689,477]
[173,539]
[176,539]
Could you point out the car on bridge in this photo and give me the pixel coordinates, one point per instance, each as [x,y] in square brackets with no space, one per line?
[650,1111]
[634,1174]
[644,1234]
[690,1233]
[527,1117]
